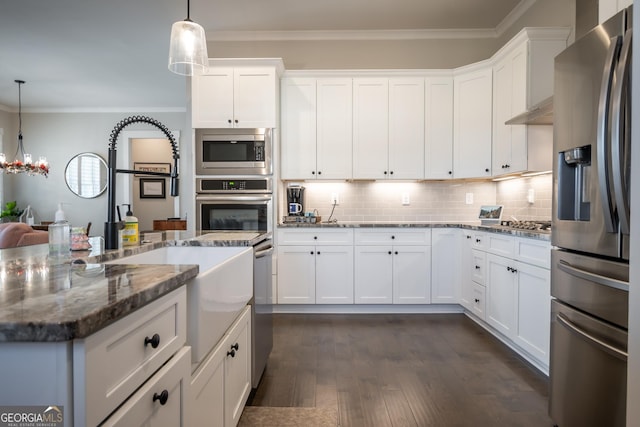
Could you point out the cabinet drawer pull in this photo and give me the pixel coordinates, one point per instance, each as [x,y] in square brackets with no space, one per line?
[154,341]
[162,397]
[235,347]
[477,267]
[231,353]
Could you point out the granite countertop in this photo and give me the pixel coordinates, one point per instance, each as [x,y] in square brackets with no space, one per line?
[532,234]
[44,299]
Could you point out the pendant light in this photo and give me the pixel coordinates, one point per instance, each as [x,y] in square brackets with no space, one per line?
[188,48]
[24,163]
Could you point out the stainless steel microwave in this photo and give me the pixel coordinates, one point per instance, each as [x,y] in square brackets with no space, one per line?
[234,152]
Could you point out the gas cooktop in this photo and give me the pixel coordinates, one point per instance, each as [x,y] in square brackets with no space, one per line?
[527,225]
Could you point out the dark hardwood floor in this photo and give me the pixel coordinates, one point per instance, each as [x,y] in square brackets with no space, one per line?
[401,370]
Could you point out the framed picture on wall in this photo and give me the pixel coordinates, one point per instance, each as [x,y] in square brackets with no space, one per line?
[151,167]
[152,188]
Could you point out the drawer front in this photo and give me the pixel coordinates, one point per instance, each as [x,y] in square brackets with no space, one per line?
[393,236]
[534,252]
[479,240]
[146,407]
[478,300]
[500,244]
[315,236]
[478,266]
[112,363]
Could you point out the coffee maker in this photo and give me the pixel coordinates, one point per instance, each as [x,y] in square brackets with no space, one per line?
[295,200]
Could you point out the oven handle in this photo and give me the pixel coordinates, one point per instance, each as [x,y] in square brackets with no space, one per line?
[616,352]
[266,198]
[593,277]
[263,253]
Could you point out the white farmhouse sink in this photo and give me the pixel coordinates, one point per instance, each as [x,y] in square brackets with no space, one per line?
[215,296]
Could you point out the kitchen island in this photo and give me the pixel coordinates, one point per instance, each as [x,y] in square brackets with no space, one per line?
[98,340]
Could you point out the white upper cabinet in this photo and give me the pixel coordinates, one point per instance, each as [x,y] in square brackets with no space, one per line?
[298,135]
[472,122]
[316,137]
[388,133]
[334,128]
[406,128]
[522,78]
[370,128]
[438,133]
[235,96]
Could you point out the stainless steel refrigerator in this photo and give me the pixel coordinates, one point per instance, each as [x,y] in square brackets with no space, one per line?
[590,258]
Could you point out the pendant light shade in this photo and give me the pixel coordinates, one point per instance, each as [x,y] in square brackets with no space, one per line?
[188,48]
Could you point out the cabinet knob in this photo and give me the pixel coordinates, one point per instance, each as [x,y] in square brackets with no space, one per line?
[154,341]
[229,120]
[311,252]
[450,172]
[162,397]
[468,237]
[313,172]
[393,237]
[478,240]
[385,172]
[318,253]
[319,172]
[315,237]
[391,173]
[231,353]
[513,270]
[486,170]
[389,252]
[477,267]
[396,252]
[235,347]
[507,166]
[236,120]
[477,300]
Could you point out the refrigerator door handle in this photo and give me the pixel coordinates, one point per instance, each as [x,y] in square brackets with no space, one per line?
[619,136]
[593,277]
[603,131]
[616,352]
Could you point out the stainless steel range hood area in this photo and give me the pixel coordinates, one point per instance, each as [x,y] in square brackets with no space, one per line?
[539,114]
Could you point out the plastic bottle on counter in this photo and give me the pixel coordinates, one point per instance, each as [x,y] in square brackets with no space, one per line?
[130,234]
[59,235]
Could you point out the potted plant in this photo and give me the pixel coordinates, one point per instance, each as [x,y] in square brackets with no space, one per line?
[10,213]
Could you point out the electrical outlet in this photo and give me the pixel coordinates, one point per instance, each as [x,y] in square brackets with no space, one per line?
[335,199]
[531,195]
[469,199]
[406,201]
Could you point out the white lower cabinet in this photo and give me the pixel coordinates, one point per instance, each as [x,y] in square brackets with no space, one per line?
[445,265]
[221,385]
[398,273]
[315,267]
[502,295]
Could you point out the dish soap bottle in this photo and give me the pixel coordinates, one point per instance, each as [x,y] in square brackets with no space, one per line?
[59,235]
[130,234]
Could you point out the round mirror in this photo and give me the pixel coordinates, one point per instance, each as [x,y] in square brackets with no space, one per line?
[86,175]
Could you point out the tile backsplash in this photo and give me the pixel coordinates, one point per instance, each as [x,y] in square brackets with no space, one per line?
[428,201]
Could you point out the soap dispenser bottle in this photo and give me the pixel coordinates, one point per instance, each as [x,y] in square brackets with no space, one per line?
[130,234]
[59,235]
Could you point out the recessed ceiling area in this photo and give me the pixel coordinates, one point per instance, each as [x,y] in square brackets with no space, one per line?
[79,55]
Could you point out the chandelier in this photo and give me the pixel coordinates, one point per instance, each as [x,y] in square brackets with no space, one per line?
[26,165]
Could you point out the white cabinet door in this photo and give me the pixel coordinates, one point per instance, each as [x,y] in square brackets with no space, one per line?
[296,275]
[438,142]
[534,306]
[472,124]
[446,265]
[254,94]
[334,274]
[502,294]
[406,128]
[298,135]
[206,402]
[334,128]
[411,274]
[466,260]
[212,98]
[370,128]
[373,275]
[502,101]
[237,369]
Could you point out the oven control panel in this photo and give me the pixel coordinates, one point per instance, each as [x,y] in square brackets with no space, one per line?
[243,185]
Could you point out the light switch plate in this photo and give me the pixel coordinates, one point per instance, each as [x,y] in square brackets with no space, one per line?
[335,199]
[406,201]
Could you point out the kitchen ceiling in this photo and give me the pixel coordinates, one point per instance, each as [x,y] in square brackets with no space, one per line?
[101,55]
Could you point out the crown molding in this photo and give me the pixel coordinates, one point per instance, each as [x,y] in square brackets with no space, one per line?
[107,110]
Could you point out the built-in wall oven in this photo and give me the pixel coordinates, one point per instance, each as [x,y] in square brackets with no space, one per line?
[234,152]
[232,204]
